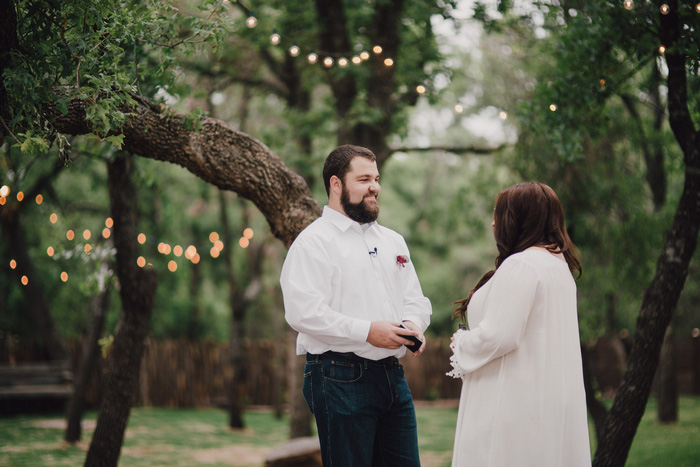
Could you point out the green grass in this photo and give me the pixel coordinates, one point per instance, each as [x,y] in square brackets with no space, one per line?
[191,437]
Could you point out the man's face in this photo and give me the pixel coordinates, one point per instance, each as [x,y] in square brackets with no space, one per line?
[361,190]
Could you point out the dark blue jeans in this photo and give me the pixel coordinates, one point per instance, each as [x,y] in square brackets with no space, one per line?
[364,411]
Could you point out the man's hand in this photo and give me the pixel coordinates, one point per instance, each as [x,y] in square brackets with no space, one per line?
[416,332]
[388,335]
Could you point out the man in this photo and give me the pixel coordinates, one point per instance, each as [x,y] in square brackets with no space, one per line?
[348,286]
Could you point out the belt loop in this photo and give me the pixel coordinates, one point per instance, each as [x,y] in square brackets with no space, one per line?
[364,361]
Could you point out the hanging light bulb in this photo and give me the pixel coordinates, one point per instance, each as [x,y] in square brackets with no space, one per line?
[294,50]
[252,21]
[343,62]
[377,49]
[664,9]
[356,60]
[629,4]
[328,62]
[364,55]
[275,37]
[312,57]
[389,61]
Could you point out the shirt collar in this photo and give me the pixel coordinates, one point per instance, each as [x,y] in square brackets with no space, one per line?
[343,222]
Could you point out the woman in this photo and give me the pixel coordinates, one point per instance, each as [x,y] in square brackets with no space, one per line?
[523,401]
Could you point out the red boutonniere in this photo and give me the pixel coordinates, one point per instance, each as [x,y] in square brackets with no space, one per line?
[402,260]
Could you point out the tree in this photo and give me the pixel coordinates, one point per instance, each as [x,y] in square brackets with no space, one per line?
[593,64]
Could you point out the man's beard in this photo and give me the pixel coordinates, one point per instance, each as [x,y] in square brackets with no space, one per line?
[358,212]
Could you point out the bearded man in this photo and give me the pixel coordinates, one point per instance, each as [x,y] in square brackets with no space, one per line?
[352,293]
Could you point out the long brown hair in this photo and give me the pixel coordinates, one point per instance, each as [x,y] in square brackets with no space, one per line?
[527,214]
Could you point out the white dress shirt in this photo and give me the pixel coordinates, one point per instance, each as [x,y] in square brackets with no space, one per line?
[339,276]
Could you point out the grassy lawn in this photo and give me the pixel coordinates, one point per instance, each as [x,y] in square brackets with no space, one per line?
[189,437]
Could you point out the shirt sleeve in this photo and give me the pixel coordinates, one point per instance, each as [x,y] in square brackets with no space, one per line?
[507,309]
[306,283]
[416,306]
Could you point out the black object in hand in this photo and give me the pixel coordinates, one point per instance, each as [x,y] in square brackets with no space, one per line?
[416,341]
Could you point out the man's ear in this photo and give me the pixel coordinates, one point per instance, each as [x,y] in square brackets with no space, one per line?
[336,185]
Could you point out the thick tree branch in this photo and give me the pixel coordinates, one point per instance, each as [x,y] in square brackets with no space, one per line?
[465,150]
[217,154]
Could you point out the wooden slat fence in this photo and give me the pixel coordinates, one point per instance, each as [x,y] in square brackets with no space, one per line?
[180,373]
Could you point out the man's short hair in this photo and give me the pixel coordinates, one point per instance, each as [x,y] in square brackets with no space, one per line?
[338,162]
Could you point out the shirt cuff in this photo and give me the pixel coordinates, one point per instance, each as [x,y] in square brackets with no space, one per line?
[359,330]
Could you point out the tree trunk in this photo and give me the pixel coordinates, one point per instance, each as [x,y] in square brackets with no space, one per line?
[666,387]
[91,351]
[235,398]
[137,290]
[661,297]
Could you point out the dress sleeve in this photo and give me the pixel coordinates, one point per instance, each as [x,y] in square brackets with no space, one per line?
[306,280]
[506,310]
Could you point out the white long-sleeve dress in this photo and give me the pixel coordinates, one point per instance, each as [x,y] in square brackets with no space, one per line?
[523,401]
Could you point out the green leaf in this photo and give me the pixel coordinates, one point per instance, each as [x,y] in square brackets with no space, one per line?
[116,140]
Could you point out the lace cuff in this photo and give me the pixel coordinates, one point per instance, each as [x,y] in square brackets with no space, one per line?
[456,371]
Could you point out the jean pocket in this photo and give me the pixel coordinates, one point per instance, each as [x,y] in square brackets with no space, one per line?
[342,372]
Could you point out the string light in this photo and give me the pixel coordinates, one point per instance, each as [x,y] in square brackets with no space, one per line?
[141,238]
[356,60]
[172,265]
[364,55]
[39,199]
[662,49]
[70,235]
[343,62]
[629,4]
[109,222]
[553,107]
[50,251]
[64,276]
[664,9]
[213,237]
[106,233]
[20,196]
[214,252]
[3,200]
[697,7]
[459,109]
[328,62]
[377,49]
[248,233]
[312,57]
[13,264]
[503,114]
[140,261]
[5,191]
[251,21]
[244,242]
[275,37]
[294,50]
[25,280]
[177,250]
[420,89]
[389,61]
[86,234]
[53,218]
[87,248]
[219,245]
